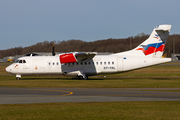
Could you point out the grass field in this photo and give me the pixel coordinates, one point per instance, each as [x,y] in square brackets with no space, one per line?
[161,76]
[93,111]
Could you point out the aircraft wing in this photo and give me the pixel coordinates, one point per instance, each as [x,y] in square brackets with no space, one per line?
[86,55]
[76,57]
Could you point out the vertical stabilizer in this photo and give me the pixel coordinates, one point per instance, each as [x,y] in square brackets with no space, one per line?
[155,44]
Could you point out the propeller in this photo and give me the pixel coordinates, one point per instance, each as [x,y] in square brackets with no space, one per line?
[53,53]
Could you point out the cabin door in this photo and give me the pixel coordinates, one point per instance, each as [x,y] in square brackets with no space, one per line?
[119,64]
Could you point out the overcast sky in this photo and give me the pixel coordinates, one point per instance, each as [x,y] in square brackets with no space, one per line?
[27,22]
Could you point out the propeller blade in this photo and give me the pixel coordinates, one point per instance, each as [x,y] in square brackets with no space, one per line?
[53,53]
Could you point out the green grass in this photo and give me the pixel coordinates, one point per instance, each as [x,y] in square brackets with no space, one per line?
[53,82]
[92,111]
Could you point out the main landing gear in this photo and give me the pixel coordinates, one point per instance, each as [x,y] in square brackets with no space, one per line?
[83,77]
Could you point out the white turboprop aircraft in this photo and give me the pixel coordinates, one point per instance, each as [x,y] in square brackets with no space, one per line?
[82,65]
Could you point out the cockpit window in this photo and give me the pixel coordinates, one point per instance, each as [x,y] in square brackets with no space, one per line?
[20,61]
[24,61]
[17,61]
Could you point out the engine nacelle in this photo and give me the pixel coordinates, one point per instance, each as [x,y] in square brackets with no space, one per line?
[68,58]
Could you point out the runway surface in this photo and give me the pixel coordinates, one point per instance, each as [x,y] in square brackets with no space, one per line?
[9,95]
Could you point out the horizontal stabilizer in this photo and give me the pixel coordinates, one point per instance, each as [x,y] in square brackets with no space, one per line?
[163,27]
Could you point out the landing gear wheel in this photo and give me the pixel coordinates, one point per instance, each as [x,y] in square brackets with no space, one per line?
[83,78]
[86,78]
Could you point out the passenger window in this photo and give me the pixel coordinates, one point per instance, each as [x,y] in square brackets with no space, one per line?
[53,63]
[108,63]
[81,63]
[113,63]
[49,64]
[96,63]
[101,63]
[85,63]
[104,63]
[77,63]
[57,63]
[89,63]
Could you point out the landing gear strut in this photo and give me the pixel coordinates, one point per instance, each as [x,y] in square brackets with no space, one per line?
[82,76]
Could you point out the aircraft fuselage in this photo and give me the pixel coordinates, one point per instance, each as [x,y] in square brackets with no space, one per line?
[38,65]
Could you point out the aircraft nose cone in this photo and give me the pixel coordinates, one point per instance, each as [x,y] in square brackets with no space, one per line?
[8,69]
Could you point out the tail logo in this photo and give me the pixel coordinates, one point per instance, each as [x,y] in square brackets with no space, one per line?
[152,48]
[156,36]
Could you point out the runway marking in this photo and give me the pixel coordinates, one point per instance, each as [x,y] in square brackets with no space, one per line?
[69,92]
[135,95]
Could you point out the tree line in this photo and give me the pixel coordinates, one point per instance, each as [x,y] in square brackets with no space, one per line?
[107,45]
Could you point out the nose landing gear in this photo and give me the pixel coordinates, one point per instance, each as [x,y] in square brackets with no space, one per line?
[18,77]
